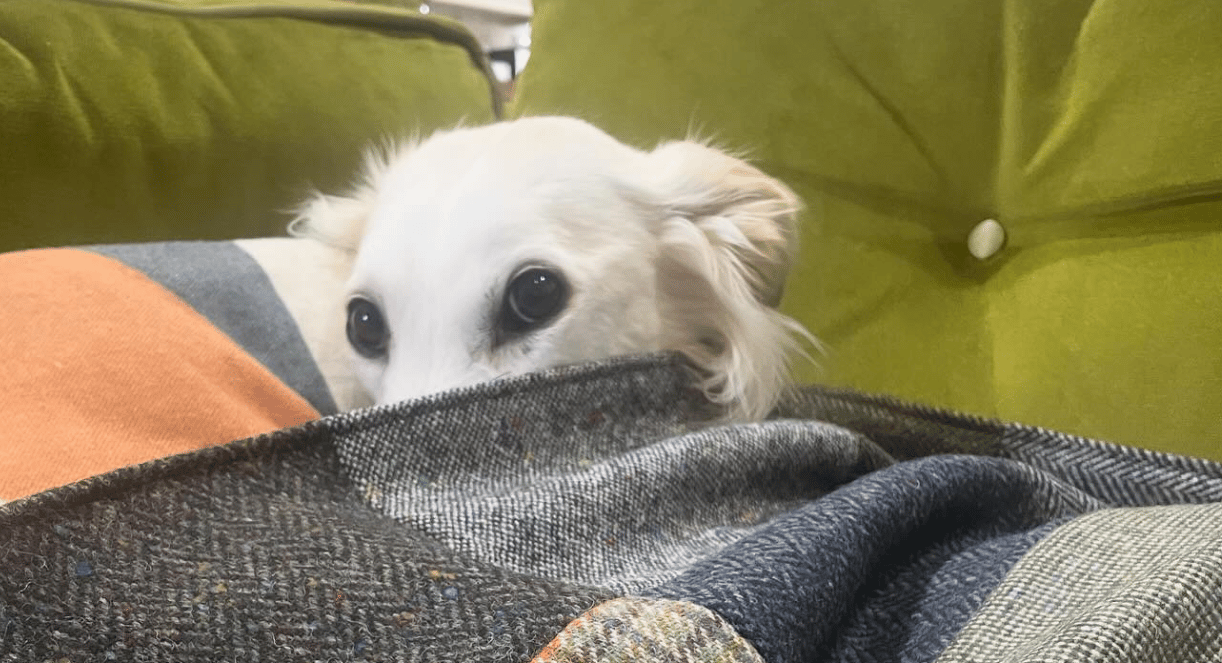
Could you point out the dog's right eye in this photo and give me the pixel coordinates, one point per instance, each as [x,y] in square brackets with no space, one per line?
[534,296]
[367,330]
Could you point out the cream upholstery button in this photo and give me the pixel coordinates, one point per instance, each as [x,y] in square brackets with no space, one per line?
[986,239]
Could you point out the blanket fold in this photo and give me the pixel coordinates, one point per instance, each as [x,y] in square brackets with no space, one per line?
[598,513]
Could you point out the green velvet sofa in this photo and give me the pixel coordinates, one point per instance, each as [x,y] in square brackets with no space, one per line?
[1083,135]
[1014,208]
[136,120]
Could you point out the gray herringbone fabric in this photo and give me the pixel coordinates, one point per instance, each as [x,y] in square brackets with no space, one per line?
[614,477]
[255,551]
[475,525]
[1118,585]
[607,478]
[1118,475]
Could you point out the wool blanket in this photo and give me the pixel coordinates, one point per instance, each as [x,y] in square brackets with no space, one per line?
[595,514]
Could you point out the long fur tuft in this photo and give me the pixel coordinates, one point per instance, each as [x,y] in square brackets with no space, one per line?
[339,221]
[725,249]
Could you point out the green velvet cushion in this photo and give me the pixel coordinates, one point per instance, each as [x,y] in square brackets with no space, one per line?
[1089,130]
[123,120]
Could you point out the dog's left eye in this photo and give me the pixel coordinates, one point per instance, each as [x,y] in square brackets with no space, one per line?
[534,296]
[366,328]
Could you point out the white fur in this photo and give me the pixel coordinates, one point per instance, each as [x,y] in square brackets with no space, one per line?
[684,248]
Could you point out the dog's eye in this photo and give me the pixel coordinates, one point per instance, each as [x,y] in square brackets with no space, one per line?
[367,330]
[533,297]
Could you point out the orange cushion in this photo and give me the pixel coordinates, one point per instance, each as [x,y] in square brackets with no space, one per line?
[105,368]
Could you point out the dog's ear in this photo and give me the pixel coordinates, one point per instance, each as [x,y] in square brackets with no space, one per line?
[337,221]
[726,242]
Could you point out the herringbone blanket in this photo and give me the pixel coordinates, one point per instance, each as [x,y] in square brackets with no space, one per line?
[597,513]
[590,514]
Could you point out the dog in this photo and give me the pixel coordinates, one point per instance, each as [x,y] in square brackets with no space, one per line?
[498,250]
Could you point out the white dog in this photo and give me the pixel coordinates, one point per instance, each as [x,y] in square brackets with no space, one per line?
[499,250]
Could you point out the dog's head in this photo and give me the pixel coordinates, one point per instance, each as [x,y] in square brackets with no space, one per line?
[521,245]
